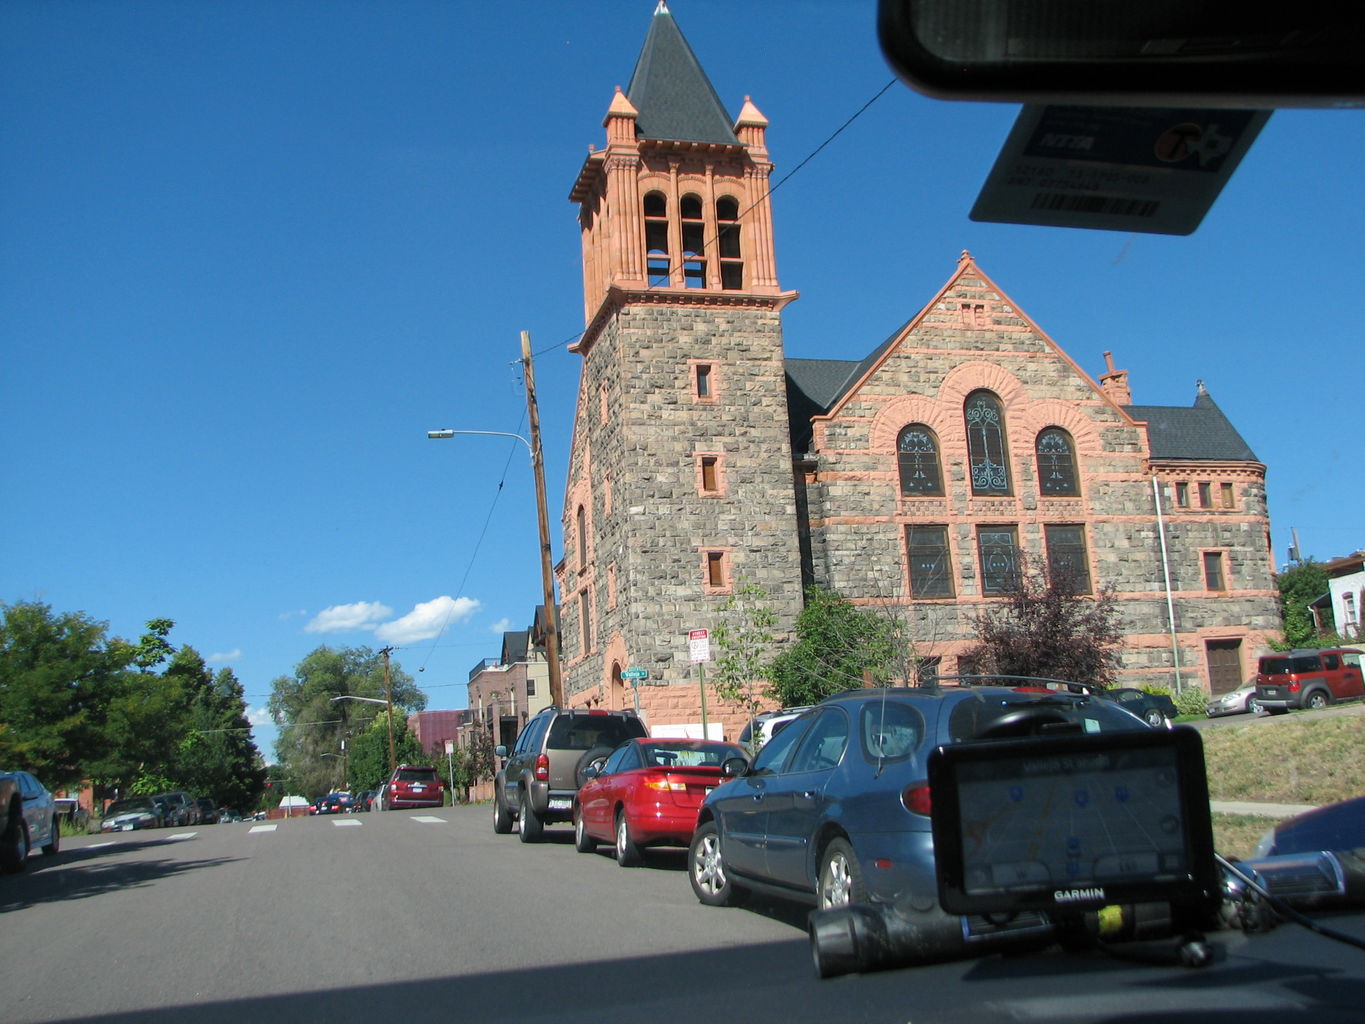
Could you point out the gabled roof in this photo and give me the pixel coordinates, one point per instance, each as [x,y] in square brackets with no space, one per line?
[674,97]
[1200,431]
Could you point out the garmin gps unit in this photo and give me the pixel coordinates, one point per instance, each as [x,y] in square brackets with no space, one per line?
[1073,822]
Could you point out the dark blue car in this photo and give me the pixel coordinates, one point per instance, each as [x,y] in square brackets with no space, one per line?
[835,807]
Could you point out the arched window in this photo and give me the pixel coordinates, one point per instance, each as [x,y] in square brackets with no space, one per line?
[693,242]
[986,448]
[656,239]
[1057,464]
[917,459]
[727,237]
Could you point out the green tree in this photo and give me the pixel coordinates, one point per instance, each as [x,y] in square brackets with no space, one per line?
[839,646]
[313,724]
[741,640]
[1300,586]
[1044,628]
[368,752]
[58,675]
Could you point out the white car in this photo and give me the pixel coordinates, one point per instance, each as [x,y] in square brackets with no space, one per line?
[1239,701]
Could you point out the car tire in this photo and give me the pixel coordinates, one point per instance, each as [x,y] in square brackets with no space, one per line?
[589,756]
[628,854]
[1254,706]
[1154,718]
[840,880]
[14,848]
[529,825]
[582,842]
[502,817]
[54,844]
[706,869]
[1317,700]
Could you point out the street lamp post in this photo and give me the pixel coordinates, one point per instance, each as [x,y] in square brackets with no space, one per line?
[542,514]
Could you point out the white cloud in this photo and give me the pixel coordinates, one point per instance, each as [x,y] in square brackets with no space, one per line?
[426,620]
[501,626]
[346,618]
[259,716]
[233,655]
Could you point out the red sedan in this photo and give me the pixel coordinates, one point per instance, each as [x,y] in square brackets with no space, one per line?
[647,793]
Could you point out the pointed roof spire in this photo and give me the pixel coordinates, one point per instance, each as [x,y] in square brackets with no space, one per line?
[675,99]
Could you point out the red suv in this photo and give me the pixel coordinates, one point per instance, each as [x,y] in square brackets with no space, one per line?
[1308,678]
[412,785]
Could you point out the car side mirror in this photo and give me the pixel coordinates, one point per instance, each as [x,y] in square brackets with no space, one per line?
[734,767]
[500,750]
[592,769]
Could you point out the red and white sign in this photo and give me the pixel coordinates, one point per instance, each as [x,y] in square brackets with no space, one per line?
[699,645]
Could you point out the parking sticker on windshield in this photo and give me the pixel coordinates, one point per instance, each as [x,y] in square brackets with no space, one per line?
[1116,168]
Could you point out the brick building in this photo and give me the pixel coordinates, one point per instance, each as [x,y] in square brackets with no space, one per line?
[909,480]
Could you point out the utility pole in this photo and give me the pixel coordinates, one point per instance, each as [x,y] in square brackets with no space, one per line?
[388,699]
[546,565]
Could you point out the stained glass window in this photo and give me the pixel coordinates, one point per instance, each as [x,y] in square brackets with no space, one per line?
[999,549]
[930,567]
[1056,464]
[917,457]
[985,420]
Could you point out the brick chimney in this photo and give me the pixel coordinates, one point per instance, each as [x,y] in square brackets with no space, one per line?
[1115,383]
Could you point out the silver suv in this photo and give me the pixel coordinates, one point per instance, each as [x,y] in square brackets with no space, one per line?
[536,784]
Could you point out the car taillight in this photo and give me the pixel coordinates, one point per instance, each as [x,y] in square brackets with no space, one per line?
[666,785]
[1294,687]
[542,768]
[915,799]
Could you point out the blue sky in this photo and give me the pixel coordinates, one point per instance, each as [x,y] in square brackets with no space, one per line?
[251,252]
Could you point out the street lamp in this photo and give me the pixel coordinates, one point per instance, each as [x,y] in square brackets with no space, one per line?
[542,514]
[388,704]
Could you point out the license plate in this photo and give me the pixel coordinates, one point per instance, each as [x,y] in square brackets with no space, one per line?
[560,804]
[418,789]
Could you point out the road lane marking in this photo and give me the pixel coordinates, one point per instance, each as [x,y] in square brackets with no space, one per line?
[346,821]
[183,835]
[96,846]
[428,819]
[262,828]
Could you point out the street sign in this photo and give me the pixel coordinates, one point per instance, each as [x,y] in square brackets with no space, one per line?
[635,673]
[699,645]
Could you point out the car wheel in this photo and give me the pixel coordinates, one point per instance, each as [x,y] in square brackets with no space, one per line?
[582,842]
[1317,700]
[841,879]
[1154,717]
[706,869]
[589,756]
[502,817]
[51,847]
[628,855]
[14,849]
[529,826]
[1253,706]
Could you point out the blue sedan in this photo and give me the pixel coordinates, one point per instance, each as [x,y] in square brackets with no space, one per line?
[835,807]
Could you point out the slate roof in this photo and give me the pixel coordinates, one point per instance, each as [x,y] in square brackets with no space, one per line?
[1200,431]
[675,99]
[515,646]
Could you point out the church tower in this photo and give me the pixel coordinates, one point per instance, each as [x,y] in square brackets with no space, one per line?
[680,489]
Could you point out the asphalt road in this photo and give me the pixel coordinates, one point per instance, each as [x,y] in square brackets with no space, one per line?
[403,916]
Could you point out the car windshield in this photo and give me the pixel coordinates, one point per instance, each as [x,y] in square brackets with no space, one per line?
[687,753]
[128,806]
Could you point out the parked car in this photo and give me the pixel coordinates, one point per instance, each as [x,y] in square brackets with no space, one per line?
[335,803]
[180,807]
[30,819]
[364,800]
[413,785]
[1308,678]
[208,811]
[835,808]
[647,793]
[1235,702]
[536,785]
[1339,826]
[765,725]
[131,813]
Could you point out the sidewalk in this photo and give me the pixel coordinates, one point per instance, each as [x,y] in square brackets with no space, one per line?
[1259,810]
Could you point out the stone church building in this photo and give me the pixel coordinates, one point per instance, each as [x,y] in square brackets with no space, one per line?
[908,481]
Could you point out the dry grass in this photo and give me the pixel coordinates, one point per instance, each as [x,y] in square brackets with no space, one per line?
[1310,758]
[1236,835]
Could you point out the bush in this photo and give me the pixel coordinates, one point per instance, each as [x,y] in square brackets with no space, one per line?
[1193,700]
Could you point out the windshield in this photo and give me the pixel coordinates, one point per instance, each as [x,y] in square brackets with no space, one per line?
[129,807]
[970,718]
